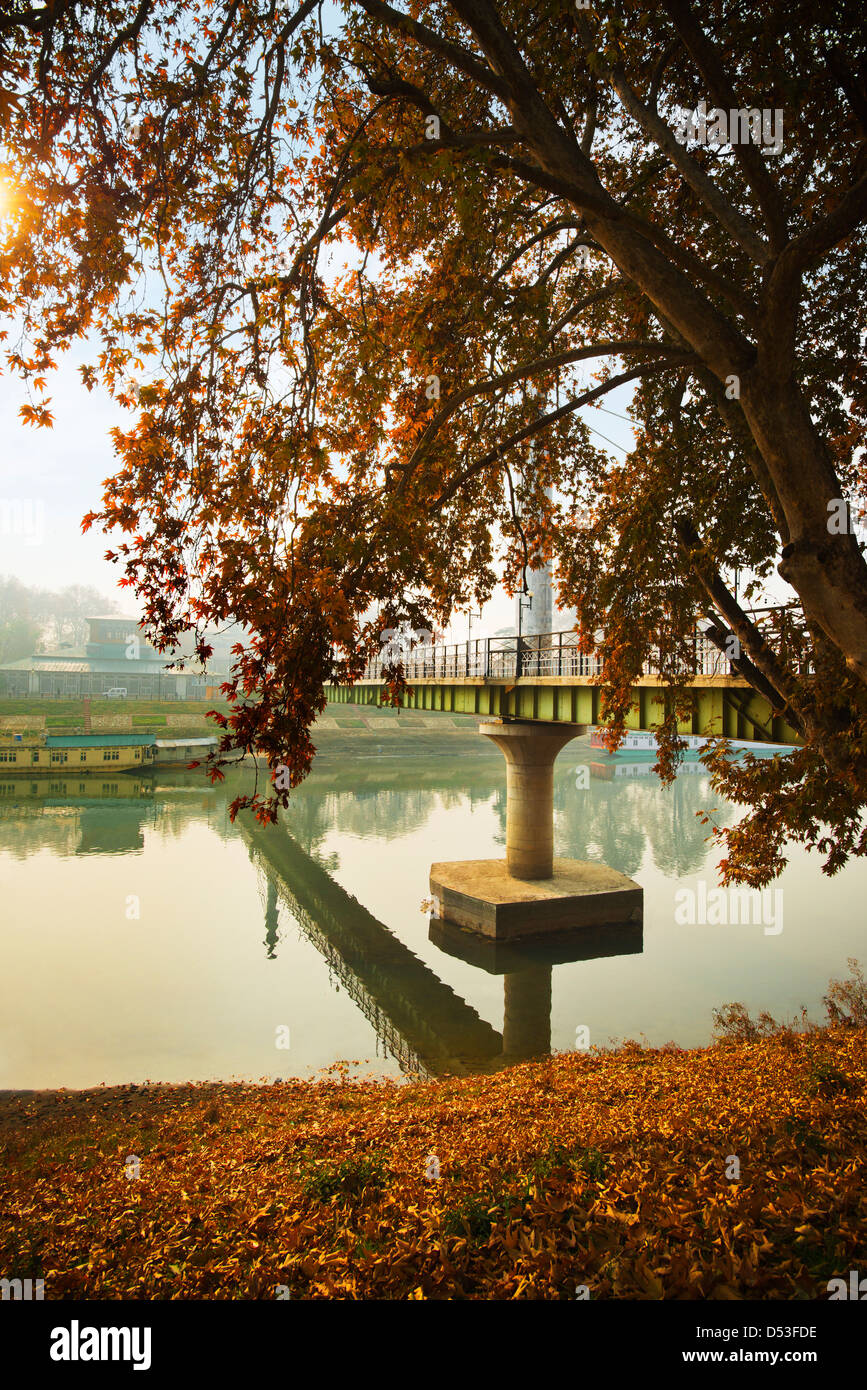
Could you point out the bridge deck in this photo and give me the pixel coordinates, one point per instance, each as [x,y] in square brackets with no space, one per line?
[722,705]
[701,682]
[549,678]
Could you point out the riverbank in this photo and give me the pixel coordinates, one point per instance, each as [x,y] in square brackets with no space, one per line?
[729,1172]
[339,724]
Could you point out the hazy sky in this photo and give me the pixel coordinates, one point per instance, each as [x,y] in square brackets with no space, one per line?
[55,476]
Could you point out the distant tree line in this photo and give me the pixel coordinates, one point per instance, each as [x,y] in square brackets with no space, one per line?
[34,619]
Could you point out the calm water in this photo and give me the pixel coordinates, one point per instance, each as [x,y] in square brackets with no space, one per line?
[142,936]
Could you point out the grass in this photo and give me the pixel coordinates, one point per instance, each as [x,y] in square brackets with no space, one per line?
[474,1217]
[78,1146]
[140,716]
[351,1178]
[55,708]
[825,1079]
[576,1157]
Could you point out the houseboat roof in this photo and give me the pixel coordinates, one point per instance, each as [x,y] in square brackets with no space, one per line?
[99,740]
[185,742]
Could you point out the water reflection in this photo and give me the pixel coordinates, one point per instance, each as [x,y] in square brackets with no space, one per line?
[417,1018]
[618,820]
[243,929]
[527,970]
[621,817]
[626,815]
[272,917]
[95,815]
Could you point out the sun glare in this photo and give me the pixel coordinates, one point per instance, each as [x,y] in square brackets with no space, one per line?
[7,196]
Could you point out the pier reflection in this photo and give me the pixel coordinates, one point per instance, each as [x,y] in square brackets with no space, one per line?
[418,1018]
[527,970]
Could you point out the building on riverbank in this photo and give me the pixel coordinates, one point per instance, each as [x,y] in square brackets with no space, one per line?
[116,657]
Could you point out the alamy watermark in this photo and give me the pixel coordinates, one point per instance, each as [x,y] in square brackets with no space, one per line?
[22,1290]
[77,1343]
[842,520]
[23,517]
[745,126]
[724,907]
[855,1289]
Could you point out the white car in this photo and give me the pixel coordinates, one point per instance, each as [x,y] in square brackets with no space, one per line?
[116,693]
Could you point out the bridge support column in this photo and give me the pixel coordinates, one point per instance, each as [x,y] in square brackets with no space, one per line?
[530,750]
[531,893]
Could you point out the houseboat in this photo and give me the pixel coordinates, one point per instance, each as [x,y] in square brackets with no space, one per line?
[78,753]
[30,754]
[642,741]
[179,752]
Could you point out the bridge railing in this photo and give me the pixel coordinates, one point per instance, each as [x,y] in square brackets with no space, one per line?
[506,658]
[557,654]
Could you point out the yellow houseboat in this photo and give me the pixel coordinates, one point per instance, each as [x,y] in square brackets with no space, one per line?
[23,754]
[76,753]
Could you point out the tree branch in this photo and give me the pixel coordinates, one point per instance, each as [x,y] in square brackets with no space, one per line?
[522,373]
[773,681]
[560,224]
[645,369]
[738,227]
[706,58]
[826,233]
[462,58]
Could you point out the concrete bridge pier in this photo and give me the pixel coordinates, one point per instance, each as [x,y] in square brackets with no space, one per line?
[531,893]
[530,751]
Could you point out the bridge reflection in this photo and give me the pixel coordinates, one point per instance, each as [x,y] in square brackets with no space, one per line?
[418,1018]
[428,1028]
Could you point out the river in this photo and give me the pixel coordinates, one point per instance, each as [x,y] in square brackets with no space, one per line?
[146,937]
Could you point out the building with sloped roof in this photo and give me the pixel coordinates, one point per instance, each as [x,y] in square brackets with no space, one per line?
[116,656]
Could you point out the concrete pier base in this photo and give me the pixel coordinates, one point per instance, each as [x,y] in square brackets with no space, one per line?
[531,893]
[481,895]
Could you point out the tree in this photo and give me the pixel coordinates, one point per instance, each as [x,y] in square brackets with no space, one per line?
[358,265]
[19,630]
[32,616]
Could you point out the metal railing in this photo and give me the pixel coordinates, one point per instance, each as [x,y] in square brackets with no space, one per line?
[508,658]
[557,654]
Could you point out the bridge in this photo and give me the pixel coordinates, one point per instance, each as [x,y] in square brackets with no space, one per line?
[546,678]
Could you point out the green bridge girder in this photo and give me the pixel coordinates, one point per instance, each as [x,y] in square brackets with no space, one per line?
[722,705]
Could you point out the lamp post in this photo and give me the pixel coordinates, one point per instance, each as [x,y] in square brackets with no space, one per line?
[471,613]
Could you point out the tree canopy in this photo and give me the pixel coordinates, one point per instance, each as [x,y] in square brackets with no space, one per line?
[350,265]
